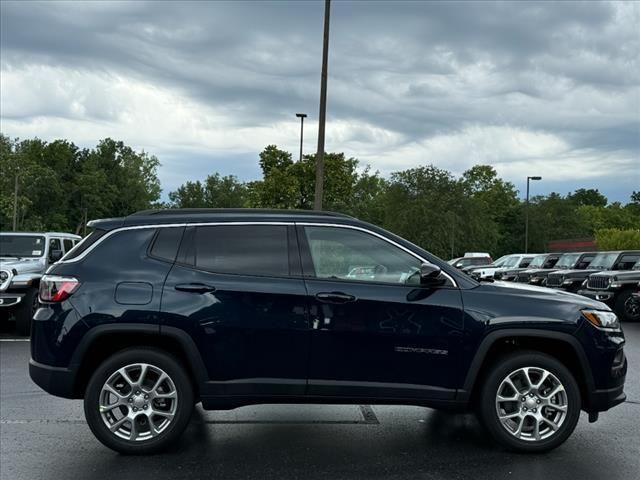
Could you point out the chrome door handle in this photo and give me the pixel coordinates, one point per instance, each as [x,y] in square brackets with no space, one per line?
[195,288]
[335,297]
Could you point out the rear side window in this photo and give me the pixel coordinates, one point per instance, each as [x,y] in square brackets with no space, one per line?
[243,249]
[166,244]
[85,243]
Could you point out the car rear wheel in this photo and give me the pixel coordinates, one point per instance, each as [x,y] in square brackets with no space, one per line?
[24,314]
[139,401]
[628,307]
[530,402]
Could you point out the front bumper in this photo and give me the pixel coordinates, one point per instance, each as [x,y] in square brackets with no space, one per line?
[12,299]
[605,296]
[57,381]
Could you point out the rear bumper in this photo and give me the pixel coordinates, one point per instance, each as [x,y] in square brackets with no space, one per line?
[57,381]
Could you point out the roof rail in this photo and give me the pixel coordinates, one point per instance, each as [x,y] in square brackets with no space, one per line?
[231,211]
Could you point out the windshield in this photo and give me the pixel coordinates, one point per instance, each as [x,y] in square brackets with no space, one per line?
[568,260]
[538,261]
[21,246]
[511,262]
[502,260]
[604,261]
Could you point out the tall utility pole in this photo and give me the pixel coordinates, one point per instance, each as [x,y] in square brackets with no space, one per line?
[15,204]
[317,203]
[526,216]
[301,116]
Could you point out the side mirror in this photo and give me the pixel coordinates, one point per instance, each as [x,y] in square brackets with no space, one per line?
[430,275]
[55,255]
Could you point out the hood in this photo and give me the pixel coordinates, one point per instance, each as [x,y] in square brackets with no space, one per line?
[24,265]
[620,274]
[542,293]
[575,273]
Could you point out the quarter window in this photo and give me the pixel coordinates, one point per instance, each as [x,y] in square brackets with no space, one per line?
[346,254]
[243,249]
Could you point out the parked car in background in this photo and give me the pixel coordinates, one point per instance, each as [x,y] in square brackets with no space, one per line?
[543,260]
[567,261]
[616,287]
[572,280]
[632,306]
[24,257]
[471,259]
[506,262]
[163,309]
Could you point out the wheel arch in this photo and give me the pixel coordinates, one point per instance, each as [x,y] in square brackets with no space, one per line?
[561,346]
[105,340]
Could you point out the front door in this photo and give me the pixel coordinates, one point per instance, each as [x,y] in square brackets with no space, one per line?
[376,332]
[237,290]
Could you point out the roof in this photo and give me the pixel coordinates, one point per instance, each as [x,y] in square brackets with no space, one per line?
[48,234]
[205,215]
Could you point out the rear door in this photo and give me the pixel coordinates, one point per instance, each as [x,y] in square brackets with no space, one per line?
[237,290]
[376,332]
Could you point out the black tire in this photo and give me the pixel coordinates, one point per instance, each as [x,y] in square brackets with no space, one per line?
[625,309]
[184,406]
[24,313]
[488,412]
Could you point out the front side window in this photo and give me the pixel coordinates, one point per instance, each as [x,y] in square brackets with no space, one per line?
[628,261]
[21,246]
[346,254]
[68,244]
[55,244]
[243,249]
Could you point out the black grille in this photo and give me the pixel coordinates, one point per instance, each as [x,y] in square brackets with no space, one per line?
[554,280]
[598,283]
[523,278]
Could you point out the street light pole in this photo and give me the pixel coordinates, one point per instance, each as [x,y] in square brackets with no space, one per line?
[301,116]
[526,216]
[317,201]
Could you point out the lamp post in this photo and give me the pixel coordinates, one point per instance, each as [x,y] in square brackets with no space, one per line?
[526,216]
[301,116]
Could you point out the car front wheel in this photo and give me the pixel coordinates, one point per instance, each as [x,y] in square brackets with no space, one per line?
[138,401]
[530,402]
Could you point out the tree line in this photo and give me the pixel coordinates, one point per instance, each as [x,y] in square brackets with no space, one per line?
[60,186]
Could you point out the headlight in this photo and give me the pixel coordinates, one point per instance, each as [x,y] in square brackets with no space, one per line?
[3,276]
[568,281]
[536,279]
[602,319]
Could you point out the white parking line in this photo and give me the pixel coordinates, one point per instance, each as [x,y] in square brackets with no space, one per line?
[14,339]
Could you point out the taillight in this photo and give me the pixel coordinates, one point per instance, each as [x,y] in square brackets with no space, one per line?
[55,288]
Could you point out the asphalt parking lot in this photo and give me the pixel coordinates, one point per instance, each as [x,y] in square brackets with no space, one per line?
[43,437]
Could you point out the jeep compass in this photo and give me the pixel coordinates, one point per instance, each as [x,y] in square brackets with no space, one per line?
[153,313]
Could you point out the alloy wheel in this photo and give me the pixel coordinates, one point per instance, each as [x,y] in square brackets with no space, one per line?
[632,308]
[531,404]
[138,402]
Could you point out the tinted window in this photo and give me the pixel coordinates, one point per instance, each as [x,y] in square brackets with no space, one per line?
[243,249]
[628,261]
[346,254]
[68,244]
[84,244]
[166,243]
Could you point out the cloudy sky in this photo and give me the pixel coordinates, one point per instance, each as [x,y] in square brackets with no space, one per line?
[549,89]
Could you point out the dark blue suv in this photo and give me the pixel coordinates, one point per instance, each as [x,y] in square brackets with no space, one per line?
[157,311]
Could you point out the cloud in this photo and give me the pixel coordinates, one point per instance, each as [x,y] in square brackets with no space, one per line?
[531,88]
